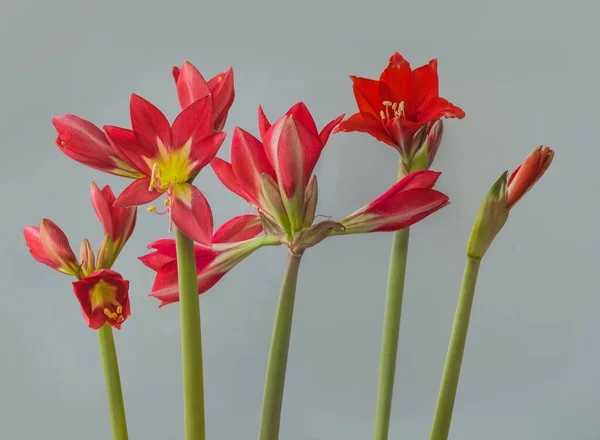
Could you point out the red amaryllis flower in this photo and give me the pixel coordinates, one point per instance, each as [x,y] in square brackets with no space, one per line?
[104,298]
[49,245]
[275,175]
[232,243]
[191,86]
[118,223]
[408,201]
[402,101]
[165,158]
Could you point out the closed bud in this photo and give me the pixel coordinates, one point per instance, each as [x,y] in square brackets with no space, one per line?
[86,257]
[490,219]
[425,145]
[273,202]
[105,254]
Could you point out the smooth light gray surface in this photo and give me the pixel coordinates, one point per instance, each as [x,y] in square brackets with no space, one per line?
[525,72]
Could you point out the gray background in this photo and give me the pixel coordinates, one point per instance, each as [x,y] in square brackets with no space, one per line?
[526,72]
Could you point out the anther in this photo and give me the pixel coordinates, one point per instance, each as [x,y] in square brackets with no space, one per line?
[153,177]
[387,103]
[151,208]
[382,114]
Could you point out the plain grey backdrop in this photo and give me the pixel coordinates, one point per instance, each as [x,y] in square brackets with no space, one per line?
[525,72]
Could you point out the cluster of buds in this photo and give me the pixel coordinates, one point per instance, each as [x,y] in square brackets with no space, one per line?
[102,293]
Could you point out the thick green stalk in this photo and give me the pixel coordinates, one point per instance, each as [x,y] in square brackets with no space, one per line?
[391,333]
[456,349]
[191,339]
[280,343]
[116,408]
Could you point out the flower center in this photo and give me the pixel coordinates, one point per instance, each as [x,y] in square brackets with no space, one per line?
[114,315]
[397,111]
[103,293]
[170,169]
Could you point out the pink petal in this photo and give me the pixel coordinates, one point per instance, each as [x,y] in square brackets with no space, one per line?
[194,123]
[165,246]
[263,123]
[155,260]
[249,163]
[223,94]
[191,213]
[36,248]
[239,228]
[137,194]
[149,124]
[224,171]
[57,247]
[416,180]
[191,85]
[324,135]
[300,112]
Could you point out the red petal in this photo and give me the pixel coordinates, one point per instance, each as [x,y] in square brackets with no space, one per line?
[36,248]
[205,150]
[165,246]
[195,122]
[239,228]
[175,71]
[191,213]
[104,208]
[397,83]
[149,124]
[426,81]
[191,85]
[249,162]
[57,247]
[436,109]
[365,123]
[324,135]
[263,123]
[416,180]
[224,171]
[137,194]
[366,93]
[155,260]
[126,145]
[303,116]
[223,94]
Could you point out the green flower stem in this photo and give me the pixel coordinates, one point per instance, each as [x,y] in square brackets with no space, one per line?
[280,342]
[191,339]
[391,333]
[456,349]
[116,408]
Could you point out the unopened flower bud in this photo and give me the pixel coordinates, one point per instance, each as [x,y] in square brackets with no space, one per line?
[86,257]
[105,254]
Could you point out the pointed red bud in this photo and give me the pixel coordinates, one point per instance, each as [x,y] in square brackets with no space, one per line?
[86,256]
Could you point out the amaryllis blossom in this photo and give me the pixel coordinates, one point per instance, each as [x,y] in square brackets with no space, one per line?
[275,175]
[502,197]
[165,159]
[118,223]
[104,298]
[231,244]
[408,201]
[191,86]
[49,245]
[393,108]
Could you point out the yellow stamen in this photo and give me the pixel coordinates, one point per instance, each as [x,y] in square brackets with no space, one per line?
[167,202]
[151,208]
[120,310]
[387,103]
[382,114]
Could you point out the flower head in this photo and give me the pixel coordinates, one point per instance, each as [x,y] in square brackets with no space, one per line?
[104,298]
[393,108]
[49,245]
[191,86]
[502,197]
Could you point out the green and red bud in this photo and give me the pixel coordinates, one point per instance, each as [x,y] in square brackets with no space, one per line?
[424,146]
[503,196]
[86,257]
[105,253]
[49,245]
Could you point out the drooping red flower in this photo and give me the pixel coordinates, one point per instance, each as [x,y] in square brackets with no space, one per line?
[232,243]
[191,86]
[49,245]
[104,298]
[402,101]
[275,175]
[118,223]
[408,201]
[164,159]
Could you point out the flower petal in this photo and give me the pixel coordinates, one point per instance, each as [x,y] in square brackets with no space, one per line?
[366,123]
[366,93]
[436,109]
[426,82]
[57,247]
[191,85]
[397,83]
[301,114]
[137,194]
[326,132]
[249,163]
[194,123]
[191,213]
[36,248]
[126,145]
[150,126]
[104,208]
[224,171]
[240,228]
[223,94]
[263,123]
[205,150]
